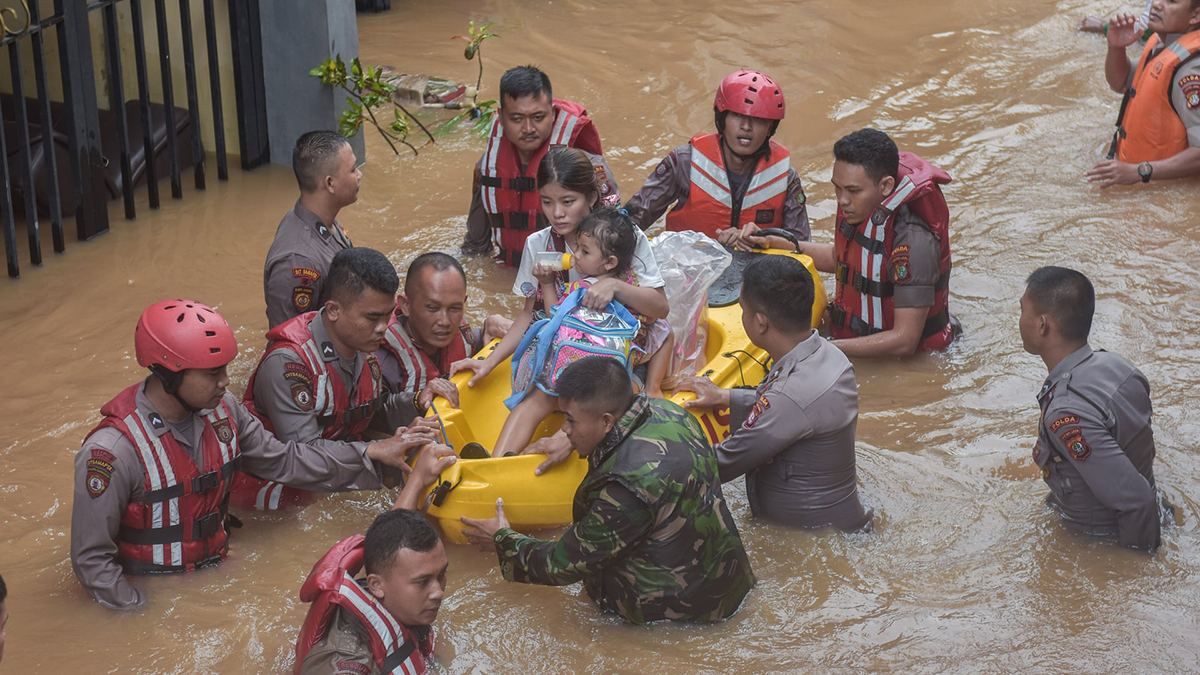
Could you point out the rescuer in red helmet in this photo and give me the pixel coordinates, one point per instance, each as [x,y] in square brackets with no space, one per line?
[152,479]
[721,181]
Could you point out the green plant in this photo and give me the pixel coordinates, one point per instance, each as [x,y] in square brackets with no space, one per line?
[480,111]
[367,91]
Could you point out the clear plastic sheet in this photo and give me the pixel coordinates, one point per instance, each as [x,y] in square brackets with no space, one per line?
[689,262]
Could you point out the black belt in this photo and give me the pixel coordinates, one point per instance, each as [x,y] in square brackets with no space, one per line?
[202,528]
[356,414]
[199,485]
[136,567]
[839,317]
[851,232]
[878,289]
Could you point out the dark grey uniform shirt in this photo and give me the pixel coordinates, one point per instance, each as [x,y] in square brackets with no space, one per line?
[286,395]
[1096,448]
[793,438]
[912,265]
[671,182]
[478,239]
[96,520]
[297,262]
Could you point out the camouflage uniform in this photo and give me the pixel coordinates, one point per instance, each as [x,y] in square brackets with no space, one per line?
[652,537]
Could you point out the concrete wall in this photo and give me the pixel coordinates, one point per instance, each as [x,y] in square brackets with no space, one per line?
[297,36]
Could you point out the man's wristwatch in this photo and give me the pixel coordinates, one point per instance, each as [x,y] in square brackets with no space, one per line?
[1145,170]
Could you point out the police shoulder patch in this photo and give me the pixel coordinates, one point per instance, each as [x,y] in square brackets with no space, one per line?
[760,406]
[308,274]
[99,472]
[899,264]
[1189,85]
[224,430]
[302,396]
[302,298]
[1072,439]
[1062,422]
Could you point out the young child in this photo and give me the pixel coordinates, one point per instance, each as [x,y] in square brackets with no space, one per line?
[605,244]
[569,190]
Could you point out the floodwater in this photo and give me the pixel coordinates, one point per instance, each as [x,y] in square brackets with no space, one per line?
[966,570]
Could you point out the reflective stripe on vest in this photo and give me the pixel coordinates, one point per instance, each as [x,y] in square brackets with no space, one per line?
[1149,127]
[398,647]
[416,367]
[159,471]
[710,203]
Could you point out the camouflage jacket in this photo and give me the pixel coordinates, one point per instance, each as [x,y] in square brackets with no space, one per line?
[652,537]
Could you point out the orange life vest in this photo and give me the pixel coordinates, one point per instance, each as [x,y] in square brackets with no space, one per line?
[341,418]
[396,648]
[1149,128]
[510,194]
[862,303]
[178,524]
[711,204]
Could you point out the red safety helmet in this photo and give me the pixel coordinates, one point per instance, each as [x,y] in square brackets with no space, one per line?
[752,93]
[183,334]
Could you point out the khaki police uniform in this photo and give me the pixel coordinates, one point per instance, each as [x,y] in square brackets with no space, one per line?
[793,438]
[671,183]
[297,263]
[1096,448]
[96,514]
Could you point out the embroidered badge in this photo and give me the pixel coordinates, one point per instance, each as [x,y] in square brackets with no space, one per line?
[297,373]
[879,217]
[1190,86]
[308,274]
[302,297]
[798,195]
[322,230]
[528,289]
[327,351]
[899,262]
[99,472]
[602,179]
[760,406]
[224,431]
[157,422]
[348,667]
[1062,422]
[1072,440]
[373,364]
[764,216]
[302,397]
[661,170]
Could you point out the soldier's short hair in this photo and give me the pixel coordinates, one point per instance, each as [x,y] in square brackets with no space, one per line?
[782,289]
[524,81]
[393,531]
[440,262]
[1066,295]
[598,381]
[354,269]
[315,157]
[871,149]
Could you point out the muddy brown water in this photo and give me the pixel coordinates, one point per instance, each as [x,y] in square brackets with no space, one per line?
[966,569]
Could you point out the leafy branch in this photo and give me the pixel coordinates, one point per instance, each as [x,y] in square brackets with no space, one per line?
[367,90]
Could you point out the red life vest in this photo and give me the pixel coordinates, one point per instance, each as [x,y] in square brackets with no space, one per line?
[396,648]
[862,303]
[178,524]
[1149,128]
[710,204]
[510,195]
[417,368]
[341,418]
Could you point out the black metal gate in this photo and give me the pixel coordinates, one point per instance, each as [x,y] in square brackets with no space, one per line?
[66,159]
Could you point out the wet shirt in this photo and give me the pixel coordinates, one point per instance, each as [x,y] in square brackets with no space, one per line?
[652,537]
[793,439]
[1096,448]
[478,239]
[671,182]
[913,262]
[403,386]
[297,262]
[345,649]
[96,514]
[285,394]
[644,266]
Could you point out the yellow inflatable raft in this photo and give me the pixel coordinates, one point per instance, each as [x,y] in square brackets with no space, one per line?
[470,487]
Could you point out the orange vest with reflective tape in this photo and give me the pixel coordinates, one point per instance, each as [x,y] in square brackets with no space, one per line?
[1150,129]
[710,202]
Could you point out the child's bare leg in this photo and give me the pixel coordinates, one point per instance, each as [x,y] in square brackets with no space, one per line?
[523,421]
[656,370]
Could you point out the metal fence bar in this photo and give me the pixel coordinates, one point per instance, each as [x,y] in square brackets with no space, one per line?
[245,29]
[189,70]
[49,155]
[214,79]
[168,92]
[139,55]
[32,228]
[83,119]
[116,101]
[6,207]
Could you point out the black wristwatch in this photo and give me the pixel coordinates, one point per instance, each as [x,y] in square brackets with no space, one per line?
[1145,170]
